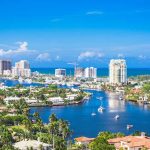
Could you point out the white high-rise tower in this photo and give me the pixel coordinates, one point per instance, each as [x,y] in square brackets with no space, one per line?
[91,72]
[21,69]
[117,71]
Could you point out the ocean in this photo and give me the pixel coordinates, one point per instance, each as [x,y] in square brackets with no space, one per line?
[100,71]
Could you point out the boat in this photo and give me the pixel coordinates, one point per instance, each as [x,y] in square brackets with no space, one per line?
[76,84]
[63,83]
[100,98]
[129,126]
[69,84]
[20,80]
[29,81]
[117,117]
[101,109]
[93,114]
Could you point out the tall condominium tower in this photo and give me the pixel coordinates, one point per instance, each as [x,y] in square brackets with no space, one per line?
[22,69]
[79,72]
[4,65]
[90,72]
[117,71]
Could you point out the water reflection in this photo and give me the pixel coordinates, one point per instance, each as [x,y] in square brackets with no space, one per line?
[114,104]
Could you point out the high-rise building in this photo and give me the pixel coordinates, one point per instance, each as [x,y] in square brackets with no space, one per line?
[117,71]
[79,72]
[21,69]
[60,72]
[5,65]
[23,64]
[90,72]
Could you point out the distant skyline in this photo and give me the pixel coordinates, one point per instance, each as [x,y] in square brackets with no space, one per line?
[90,32]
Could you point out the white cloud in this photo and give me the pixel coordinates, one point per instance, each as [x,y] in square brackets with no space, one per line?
[23,45]
[142,57]
[57,57]
[90,54]
[43,57]
[23,48]
[94,13]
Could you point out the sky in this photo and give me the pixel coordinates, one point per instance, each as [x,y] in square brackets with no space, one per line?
[56,33]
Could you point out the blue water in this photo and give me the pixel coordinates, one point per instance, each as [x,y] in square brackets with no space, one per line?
[83,124]
[100,71]
[12,83]
[79,116]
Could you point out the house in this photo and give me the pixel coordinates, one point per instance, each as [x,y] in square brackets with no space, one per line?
[56,100]
[131,142]
[71,97]
[35,144]
[83,140]
[9,100]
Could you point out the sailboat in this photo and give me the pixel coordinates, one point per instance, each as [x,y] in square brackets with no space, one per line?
[101,109]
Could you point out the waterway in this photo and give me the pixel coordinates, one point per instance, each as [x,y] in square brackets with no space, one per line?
[84,124]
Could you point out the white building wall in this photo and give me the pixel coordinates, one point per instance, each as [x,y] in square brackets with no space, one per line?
[117,71]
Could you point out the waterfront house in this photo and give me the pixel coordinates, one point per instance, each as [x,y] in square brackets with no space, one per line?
[32,101]
[131,142]
[34,144]
[56,100]
[71,97]
[83,140]
[9,100]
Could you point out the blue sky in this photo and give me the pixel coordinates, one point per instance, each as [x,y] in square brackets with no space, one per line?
[91,32]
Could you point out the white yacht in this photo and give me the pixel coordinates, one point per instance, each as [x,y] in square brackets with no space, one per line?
[117,117]
[100,98]
[29,81]
[101,109]
[20,80]
[93,114]
[70,84]
[129,126]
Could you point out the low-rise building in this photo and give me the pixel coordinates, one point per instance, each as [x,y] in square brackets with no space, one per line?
[83,140]
[9,100]
[56,100]
[34,144]
[60,73]
[131,142]
[71,96]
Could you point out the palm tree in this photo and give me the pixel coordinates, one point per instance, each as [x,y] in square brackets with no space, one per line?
[53,118]
[64,128]
[5,135]
[21,106]
[28,125]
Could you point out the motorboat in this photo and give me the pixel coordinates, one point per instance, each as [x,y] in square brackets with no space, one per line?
[129,126]
[93,114]
[70,84]
[29,81]
[101,109]
[100,98]
[20,80]
[117,117]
